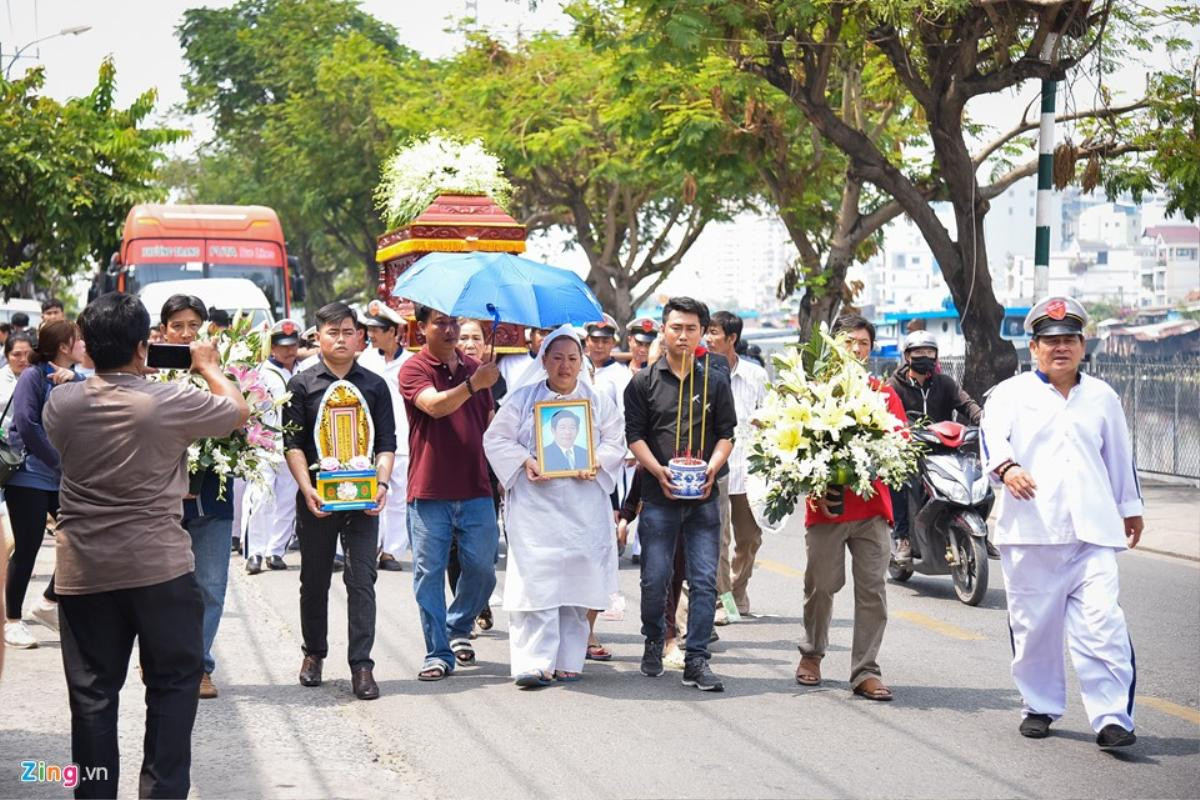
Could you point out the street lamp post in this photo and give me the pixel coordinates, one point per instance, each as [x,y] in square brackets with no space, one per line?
[74,30]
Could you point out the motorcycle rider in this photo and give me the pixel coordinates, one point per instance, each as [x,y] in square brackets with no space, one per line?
[926,394]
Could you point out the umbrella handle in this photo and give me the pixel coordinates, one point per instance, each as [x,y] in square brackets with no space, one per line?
[495,324]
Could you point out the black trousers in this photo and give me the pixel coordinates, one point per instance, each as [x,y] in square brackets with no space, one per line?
[27,510]
[318,544]
[97,633]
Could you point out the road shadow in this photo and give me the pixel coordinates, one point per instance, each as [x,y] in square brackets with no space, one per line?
[940,587]
[1146,750]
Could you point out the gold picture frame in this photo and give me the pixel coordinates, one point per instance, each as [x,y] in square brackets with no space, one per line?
[549,417]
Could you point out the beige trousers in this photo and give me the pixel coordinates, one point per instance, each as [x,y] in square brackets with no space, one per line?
[869,543]
[741,535]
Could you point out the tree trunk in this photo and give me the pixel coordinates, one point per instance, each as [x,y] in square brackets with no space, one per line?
[989,357]
[615,296]
[318,284]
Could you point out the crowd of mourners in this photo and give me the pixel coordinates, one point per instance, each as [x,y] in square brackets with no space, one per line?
[462,469]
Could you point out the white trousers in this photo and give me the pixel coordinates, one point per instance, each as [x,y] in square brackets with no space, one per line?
[274,520]
[393,522]
[548,640]
[1054,588]
[628,476]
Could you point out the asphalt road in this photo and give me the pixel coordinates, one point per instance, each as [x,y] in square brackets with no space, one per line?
[950,733]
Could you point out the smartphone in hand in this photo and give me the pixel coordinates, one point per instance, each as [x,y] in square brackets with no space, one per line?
[169,356]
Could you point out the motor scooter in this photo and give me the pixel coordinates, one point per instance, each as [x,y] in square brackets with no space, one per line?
[948,511]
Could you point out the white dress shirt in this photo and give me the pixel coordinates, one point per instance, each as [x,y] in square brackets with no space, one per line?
[616,375]
[372,359]
[749,384]
[1078,451]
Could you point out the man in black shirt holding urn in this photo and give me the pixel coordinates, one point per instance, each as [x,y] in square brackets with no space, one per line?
[680,408]
[319,530]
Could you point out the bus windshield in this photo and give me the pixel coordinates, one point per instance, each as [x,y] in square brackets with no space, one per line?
[267,278]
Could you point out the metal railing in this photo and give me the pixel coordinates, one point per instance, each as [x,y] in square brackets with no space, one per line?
[1161,402]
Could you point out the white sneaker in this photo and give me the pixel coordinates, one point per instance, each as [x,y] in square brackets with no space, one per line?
[46,613]
[16,634]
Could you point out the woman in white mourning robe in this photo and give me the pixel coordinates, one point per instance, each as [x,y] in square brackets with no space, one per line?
[562,549]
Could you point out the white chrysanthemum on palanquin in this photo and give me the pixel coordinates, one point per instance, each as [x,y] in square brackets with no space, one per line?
[824,423]
[421,170]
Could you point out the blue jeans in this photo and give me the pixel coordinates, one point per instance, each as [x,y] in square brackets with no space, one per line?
[659,526]
[432,526]
[212,540]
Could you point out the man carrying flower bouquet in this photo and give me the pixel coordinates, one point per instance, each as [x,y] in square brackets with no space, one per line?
[319,531]
[680,410]
[864,528]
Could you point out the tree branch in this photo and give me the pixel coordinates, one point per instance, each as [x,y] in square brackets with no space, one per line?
[888,42]
[1026,125]
[1104,150]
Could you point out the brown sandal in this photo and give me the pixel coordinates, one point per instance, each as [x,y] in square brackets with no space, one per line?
[873,689]
[808,671]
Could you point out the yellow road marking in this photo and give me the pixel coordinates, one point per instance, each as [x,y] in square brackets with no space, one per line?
[782,569]
[937,626]
[1167,707]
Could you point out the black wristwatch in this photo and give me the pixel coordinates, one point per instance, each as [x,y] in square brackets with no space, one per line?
[470,388]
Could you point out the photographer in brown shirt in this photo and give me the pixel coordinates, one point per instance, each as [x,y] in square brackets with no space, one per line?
[124,559]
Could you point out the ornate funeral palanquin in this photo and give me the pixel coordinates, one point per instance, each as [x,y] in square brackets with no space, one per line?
[453,223]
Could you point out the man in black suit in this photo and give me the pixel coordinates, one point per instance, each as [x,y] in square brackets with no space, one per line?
[563,454]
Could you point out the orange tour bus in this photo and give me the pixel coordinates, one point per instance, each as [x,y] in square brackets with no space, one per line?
[184,242]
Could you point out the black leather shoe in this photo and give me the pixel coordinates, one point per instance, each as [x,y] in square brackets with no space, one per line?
[276,562]
[293,543]
[254,565]
[1036,726]
[236,544]
[1114,735]
[365,687]
[310,671]
[389,564]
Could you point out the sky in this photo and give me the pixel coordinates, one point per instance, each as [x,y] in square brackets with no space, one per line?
[140,36]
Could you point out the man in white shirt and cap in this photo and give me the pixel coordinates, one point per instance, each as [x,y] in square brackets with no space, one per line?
[274,520]
[385,357]
[1058,441]
[610,374]
[518,369]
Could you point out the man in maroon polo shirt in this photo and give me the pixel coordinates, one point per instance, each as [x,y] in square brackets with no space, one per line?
[448,398]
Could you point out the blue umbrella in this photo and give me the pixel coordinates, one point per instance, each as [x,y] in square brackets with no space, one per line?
[500,286]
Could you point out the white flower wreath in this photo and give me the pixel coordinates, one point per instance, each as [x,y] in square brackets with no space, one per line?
[421,170]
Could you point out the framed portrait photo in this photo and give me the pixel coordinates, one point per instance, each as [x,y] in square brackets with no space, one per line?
[564,437]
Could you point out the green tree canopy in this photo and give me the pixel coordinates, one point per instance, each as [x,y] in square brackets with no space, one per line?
[628,155]
[307,99]
[939,56]
[69,173]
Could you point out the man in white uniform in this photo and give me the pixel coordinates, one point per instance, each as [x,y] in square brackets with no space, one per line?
[601,339]
[385,357]
[518,369]
[640,335]
[273,522]
[1057,440]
